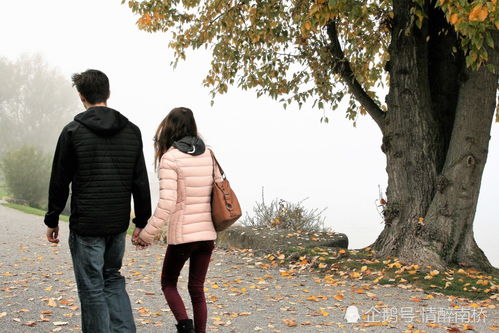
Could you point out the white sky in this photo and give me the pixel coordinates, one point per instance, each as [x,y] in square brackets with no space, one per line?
[289,152]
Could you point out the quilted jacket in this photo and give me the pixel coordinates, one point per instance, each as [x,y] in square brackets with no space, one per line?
[186,180]
[100,155]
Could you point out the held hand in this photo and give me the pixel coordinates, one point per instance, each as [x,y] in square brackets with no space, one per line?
[141,243]
[135,235]
[53,235]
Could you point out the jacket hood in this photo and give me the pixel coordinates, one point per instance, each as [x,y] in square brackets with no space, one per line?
[191,145]
[102,120]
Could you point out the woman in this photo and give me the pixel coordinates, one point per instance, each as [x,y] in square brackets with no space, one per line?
[186,176]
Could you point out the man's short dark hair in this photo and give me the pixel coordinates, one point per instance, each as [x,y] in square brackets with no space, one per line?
[93,85]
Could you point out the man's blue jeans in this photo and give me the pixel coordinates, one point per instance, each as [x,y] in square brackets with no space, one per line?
[105,305]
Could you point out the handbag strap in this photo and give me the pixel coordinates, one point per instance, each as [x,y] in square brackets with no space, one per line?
[215,161]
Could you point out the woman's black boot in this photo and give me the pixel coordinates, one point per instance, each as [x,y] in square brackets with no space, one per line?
[185,326]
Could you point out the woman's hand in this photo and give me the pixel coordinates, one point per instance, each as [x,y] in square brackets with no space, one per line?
[139,243]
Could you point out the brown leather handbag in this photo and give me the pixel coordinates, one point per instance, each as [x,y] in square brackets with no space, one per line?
[225,208]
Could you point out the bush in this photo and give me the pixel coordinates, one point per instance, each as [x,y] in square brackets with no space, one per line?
[27,174]
[282,214]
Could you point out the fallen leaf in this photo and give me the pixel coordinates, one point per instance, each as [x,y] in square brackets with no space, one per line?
[60,323]
[434,273]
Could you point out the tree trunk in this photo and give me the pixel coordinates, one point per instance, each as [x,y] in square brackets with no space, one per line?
[435,137]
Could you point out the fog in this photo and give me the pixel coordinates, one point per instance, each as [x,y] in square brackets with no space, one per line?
[259,144]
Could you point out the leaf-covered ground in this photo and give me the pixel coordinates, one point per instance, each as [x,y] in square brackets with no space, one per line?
[245,293]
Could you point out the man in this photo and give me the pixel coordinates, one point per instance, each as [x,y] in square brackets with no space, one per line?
[100,154]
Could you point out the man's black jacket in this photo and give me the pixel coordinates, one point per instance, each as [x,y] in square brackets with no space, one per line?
[100,154]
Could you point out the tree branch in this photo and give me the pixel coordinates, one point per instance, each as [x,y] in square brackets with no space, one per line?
[342,67]
[224,13]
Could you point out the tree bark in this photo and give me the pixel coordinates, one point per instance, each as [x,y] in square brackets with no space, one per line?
[435,137]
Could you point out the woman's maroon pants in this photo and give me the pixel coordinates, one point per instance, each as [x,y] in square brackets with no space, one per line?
[199,254]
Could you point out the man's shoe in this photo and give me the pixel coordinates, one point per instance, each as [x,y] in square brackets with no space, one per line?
[185,326]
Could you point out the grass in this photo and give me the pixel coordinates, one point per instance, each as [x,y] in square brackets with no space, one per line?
[33,211]
[3,192]
[362,265]
[40,212]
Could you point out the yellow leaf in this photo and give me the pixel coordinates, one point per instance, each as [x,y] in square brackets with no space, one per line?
[290,322]
[312,298]
[454,19]
[479,13]
[434,273]
[307,26]
[395,264]
[215,286]
[376,323]
[51,302]
[339,297]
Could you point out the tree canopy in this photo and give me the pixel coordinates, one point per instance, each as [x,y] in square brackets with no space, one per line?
[309,50]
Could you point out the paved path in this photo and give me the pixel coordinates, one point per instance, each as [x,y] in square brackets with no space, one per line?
[38,293]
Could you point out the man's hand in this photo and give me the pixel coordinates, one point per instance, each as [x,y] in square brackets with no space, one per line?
[53,235]
[135,235]
[139,244]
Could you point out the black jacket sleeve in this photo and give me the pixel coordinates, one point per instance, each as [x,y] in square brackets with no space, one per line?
[63,168]
[141,193]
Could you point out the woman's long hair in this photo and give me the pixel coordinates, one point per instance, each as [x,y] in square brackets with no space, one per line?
[177,124]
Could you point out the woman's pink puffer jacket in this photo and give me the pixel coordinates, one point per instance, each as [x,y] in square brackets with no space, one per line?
[186,183]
